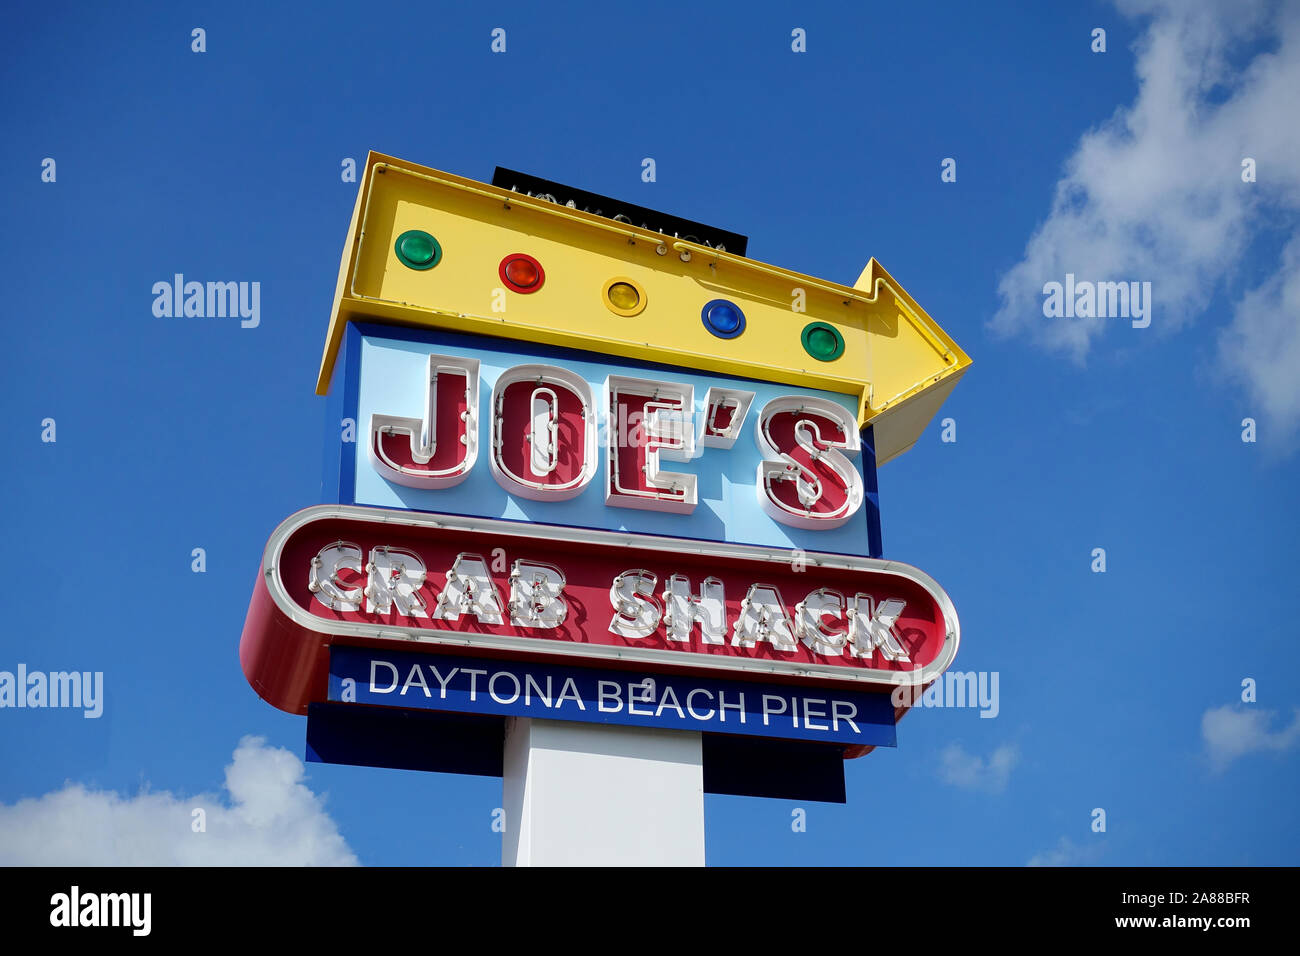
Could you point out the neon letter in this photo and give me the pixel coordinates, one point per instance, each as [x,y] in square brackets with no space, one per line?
[438,450]
[805,479]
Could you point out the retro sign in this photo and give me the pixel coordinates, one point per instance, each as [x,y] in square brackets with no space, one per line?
[346,575]
[570,451]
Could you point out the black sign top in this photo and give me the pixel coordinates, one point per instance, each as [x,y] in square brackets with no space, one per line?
[620,211]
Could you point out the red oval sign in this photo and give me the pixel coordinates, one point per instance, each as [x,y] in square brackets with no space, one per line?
[368,576]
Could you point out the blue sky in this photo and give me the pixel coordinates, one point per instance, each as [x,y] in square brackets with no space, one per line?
[1119,690]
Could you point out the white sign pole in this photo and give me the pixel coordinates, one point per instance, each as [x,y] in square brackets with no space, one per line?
[601,795]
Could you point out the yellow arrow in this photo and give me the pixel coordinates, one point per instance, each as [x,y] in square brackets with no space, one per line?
[870,340]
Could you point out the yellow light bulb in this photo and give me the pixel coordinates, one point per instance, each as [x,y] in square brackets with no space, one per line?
[624,296]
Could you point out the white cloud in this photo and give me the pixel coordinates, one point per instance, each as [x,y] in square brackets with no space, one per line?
[1155,194]
[269,819]
[1066,853]
[972,772]
[1230,732]
[1261,348]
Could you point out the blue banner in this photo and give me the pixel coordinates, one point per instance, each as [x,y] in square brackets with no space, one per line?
[561,692]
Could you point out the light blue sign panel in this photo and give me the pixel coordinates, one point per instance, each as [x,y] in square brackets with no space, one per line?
[391,382]
[470,685]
